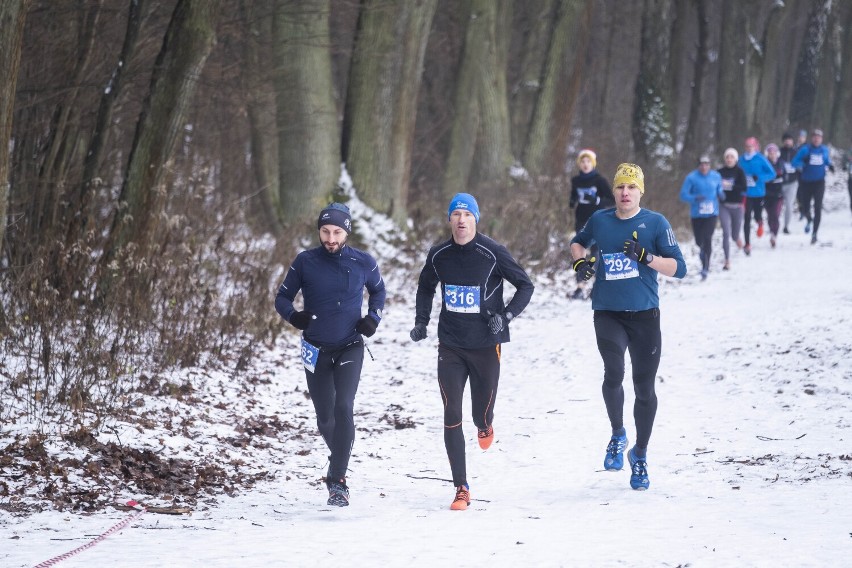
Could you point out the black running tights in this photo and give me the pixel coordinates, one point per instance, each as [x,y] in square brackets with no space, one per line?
[455,365]
[638,332]
[333,386]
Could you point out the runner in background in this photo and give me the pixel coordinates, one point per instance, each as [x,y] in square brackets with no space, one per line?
[731,209]
[332,278]
[702,189]
[791,179]
[774,192]
[812,160]
[590,191]
[758,171]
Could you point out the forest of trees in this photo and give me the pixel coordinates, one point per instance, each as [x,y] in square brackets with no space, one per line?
[164,156]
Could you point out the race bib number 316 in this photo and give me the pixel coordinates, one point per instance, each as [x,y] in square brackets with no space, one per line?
[462,299]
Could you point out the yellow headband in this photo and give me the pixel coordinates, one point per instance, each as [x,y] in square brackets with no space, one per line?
[629,173]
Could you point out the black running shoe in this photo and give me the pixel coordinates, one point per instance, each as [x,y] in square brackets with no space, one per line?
[338,493]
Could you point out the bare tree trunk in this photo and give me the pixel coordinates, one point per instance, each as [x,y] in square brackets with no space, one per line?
[774,81]
[807,69]
[828,90]
[525,91]
[611,110]
[187,44]
[62,137]
[308,132]
[79,207]
[652,122]
[481,115]
[494,150]
[260,107]
[840,124]
[12,17]
[560,85]
[694,143]
[731,115]
[381,105]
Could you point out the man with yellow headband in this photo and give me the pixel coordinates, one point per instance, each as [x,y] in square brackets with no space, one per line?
[634,244]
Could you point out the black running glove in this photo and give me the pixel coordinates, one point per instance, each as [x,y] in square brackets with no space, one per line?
[301,320]
[499,321]
[636,252]
[418,332]
[585,268]
[366,326]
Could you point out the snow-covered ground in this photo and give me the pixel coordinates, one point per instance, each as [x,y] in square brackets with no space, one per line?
[750,462]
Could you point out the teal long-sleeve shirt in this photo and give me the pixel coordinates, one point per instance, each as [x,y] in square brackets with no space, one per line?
[621,284]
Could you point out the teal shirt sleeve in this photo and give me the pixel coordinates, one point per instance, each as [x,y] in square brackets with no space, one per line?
[667,247]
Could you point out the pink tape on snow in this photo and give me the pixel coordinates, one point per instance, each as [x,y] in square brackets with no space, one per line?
[140,509]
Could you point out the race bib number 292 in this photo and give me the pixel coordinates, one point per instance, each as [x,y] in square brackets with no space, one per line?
[462,299]
[618,266]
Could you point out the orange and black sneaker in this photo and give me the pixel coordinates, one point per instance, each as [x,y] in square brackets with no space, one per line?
[462,499]
[485,437]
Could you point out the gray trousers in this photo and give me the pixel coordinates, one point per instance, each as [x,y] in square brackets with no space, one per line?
[789,191]
[731,219]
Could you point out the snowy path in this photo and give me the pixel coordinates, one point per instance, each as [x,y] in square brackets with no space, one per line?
[750,461]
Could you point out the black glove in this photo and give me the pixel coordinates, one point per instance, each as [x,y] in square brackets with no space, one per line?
[499,321]
[301,320]
[831,168]
[635,251]
[366,326]
[585,268]
[754,177]
[418,332]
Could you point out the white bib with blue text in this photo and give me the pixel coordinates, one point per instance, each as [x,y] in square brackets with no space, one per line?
[618,267]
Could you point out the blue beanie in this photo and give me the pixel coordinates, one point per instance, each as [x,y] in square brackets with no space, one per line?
[464,201]
[336,214]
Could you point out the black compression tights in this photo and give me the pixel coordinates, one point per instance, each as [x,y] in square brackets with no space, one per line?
[640,333]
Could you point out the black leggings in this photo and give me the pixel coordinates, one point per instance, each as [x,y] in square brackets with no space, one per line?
[753,208]
[812,191]
[455,365]
[640,333]
[333,385]
[702,228]
[849,186]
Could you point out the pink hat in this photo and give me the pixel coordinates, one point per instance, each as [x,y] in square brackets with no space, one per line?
[752,141]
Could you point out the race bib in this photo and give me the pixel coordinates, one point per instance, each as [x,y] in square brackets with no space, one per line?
[727,184]
[750,181]
[310,354]
[789,168]
[462,299]
[587,195]
[706,208]
[816,160]
[618,267]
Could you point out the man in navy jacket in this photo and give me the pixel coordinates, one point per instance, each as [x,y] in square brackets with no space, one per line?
[332,278]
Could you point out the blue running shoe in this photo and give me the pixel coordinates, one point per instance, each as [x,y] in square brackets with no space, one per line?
[639,472]
[614,459]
